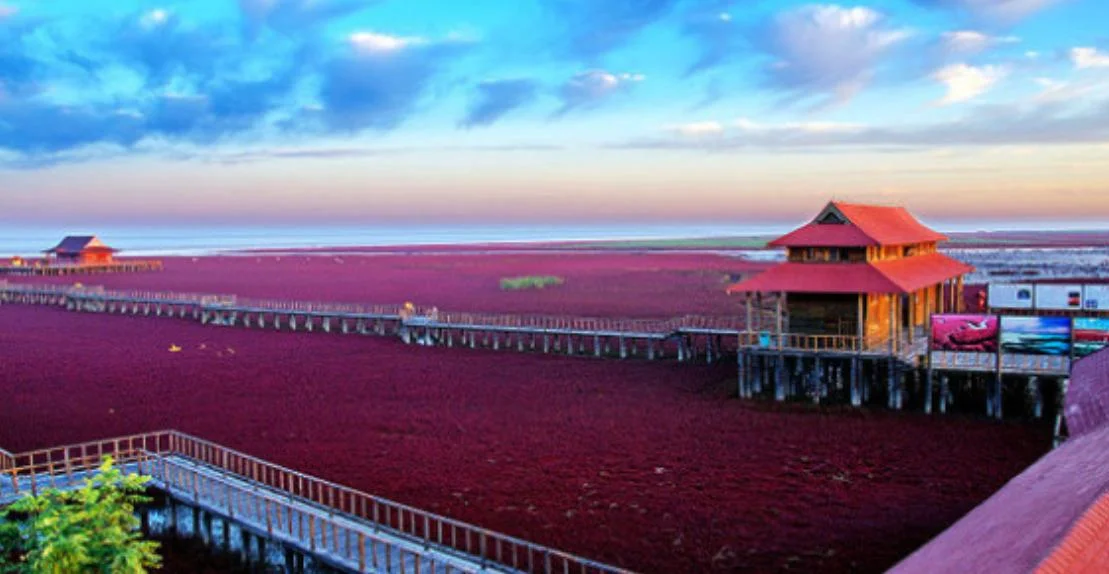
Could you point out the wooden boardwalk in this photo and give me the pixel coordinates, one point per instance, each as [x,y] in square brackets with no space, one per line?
[347,529]
[685,338]
[62,269]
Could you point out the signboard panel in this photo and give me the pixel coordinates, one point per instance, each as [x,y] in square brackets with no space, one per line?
[1036,335]
[1095,297]
[965,333]
[1038,364]
[1091,334]
[1059,297]
[1010,295]
[952,360]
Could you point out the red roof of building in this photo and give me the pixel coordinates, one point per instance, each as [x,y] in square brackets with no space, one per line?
[892,276]
[864,225]
[74,244]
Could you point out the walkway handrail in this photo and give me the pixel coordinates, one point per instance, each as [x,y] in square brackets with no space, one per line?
[486,545]
[426,526]
[426,315]
[7,460]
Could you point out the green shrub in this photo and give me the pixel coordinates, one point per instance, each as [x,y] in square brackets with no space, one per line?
[529,282]
[89,530]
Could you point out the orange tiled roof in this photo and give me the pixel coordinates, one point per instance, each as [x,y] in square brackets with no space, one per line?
[1085,548]
[867,225]
[891,276]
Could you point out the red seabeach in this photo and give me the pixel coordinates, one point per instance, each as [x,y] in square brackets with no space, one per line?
[655,466]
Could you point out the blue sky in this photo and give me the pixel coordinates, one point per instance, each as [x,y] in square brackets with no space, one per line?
[551,110]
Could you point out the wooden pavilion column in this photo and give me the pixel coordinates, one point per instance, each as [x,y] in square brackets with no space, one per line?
[860,330]
[959,294]
[778,317]
[747,300]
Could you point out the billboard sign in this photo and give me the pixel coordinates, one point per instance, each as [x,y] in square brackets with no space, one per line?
[1091,334]
[1059,297]
[965,333]
[1036,335]
[1095,297]
[1010,295]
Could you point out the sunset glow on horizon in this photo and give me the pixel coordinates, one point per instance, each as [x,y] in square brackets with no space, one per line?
[313,111]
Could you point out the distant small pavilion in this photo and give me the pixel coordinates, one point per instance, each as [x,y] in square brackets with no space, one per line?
[82,250]
[858,273]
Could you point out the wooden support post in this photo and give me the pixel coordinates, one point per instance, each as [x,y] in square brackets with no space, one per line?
[596,345]
[818,381]
[1037,397]
[779,384]
[546,342]
[928,378]
[855,382]
[623,348]
[244,550]
[290,561]
[998,393]
[742,373]
[945,392]
[1060,400]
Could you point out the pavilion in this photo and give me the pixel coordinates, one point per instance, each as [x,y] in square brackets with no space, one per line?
[82,250]
[857,278]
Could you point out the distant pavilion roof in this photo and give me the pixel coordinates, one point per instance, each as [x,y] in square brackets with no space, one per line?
[854,225]
[74,244]
[901,276]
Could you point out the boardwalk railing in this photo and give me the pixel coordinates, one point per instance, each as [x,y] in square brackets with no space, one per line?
[802,342]
[318,307]
[43,267]
[425,526]
[34,470]
[424,316]
[7,461]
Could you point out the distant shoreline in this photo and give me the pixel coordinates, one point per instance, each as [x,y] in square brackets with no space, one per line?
[309,243]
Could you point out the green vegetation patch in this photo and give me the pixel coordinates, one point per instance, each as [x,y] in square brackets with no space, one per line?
[89,530]
[530,282]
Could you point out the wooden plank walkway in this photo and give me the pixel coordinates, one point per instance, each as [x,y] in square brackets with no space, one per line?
[345,528]
[686,337]
[62,269]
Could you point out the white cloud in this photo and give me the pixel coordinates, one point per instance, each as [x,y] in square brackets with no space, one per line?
[375,42]
[749,125]
[1001,11]
[972,41]
[1086,57]
[965,82]
[154,18]
[590,87]
[698,129]
[829,48]
[6,10]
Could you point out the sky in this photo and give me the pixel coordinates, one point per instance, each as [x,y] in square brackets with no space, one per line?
[585,111]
